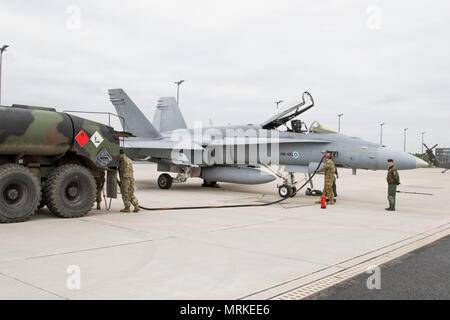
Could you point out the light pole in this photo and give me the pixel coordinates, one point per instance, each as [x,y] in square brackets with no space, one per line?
[381,132]
[278,102]
[2,49]
[178,83]
[404,139]
[422,133]
[339,127]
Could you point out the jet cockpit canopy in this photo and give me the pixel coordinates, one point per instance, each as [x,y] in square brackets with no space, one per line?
[317,127]
[289,112]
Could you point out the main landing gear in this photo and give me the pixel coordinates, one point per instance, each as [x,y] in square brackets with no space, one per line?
[165,181]
[286,191]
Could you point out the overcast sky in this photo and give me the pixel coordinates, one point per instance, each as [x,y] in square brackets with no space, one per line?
[374,61]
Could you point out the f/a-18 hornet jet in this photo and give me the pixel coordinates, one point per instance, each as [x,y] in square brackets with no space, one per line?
[237,153]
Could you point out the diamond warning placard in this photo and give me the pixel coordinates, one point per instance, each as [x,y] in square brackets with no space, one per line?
[82,138]
[97,139]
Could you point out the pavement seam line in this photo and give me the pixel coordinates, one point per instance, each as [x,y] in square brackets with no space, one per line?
[338,277]
[32,285]
[436,229]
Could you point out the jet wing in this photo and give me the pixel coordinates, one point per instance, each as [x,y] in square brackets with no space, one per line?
[161,144]
[251,140]
[162,149]
[302,169]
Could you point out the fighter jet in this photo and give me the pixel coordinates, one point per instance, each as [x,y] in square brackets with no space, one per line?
[435,161]
[245,154]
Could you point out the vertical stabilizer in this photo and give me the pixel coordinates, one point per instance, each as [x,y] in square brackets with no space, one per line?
[168,116]
[132,119]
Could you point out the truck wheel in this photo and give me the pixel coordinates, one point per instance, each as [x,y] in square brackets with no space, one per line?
[69,191]
[20,193]
[165,181]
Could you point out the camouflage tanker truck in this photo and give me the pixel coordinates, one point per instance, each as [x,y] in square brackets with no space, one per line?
[50,158]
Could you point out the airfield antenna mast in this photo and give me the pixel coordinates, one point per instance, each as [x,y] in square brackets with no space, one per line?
[178,83]
[381,132]
[339,127]
[278,102]
[404,139]
[2,49]
[422,133]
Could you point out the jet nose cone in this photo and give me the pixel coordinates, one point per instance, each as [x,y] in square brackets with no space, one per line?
[420,163]
[402,160]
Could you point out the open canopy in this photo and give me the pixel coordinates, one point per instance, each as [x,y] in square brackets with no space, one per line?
[289,112]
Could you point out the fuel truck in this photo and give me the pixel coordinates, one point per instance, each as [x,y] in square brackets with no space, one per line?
[50,158]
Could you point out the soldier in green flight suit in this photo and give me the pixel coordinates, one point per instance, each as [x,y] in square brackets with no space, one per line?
[329,169]
[127,183]
[393,180]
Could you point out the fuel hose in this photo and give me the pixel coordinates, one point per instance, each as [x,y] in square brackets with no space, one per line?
[238,205]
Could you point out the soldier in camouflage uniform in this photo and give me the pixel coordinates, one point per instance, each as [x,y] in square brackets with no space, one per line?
[393,180]
[100,182]
[336,176]
[329,169]
[127,183]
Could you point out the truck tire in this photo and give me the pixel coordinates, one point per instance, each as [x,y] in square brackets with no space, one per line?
[20,193]
[69,191]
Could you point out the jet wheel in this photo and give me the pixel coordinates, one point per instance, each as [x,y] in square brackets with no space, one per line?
[285,191]
[294,189]
[165,181]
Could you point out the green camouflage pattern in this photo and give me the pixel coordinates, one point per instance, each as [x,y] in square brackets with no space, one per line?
[34,132]
[29,130]
[330,170]
[125,167]
[100,183]
[127,191]
[328,190]
[127,181]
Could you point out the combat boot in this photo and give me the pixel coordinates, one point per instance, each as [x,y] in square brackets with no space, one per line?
[98,206]
[136,209]
[126,209]
[331,203]
[318,201]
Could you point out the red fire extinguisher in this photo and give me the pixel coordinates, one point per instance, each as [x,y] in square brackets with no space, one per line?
[323,202]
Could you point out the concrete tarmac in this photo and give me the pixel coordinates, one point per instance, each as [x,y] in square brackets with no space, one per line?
[422,274]
[243,253]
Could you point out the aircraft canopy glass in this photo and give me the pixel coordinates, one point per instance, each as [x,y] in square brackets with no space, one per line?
[317,127]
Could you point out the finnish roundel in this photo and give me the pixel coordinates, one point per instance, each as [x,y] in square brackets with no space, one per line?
[296,155]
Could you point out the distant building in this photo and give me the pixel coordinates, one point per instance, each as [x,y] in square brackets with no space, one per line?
[443,155]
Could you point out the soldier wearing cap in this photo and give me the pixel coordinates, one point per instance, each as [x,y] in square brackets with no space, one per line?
[393,180]
[127,183]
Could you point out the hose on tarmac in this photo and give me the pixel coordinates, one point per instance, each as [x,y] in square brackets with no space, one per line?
[239,205]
